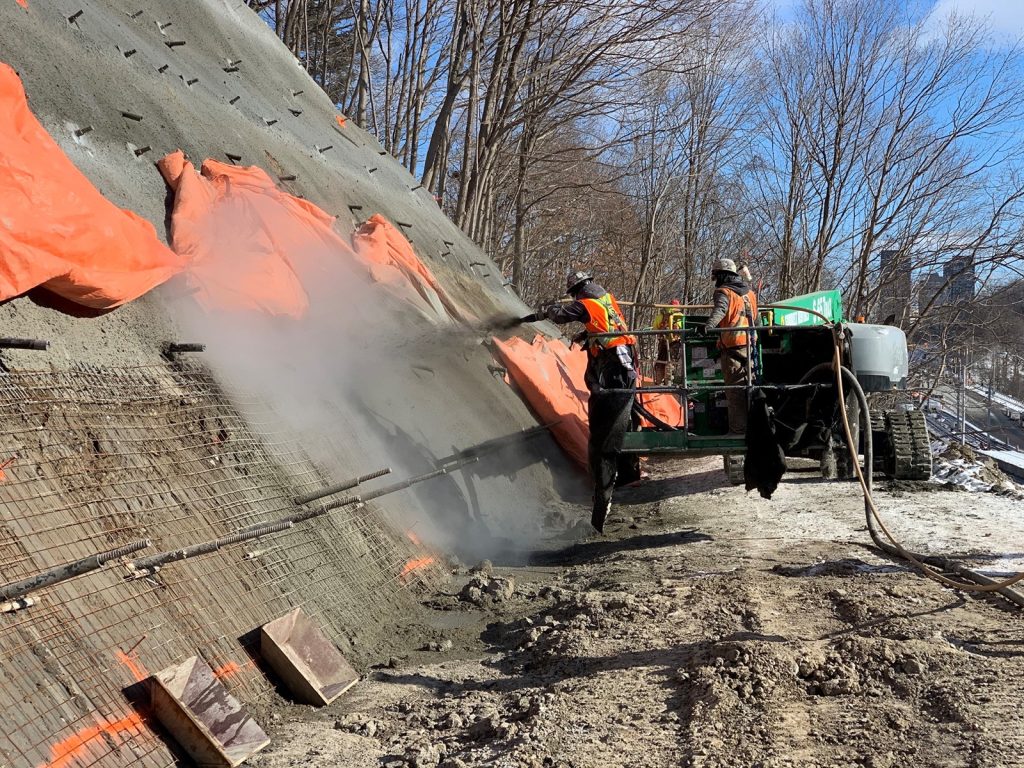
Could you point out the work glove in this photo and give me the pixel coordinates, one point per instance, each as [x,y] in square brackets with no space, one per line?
[551,311]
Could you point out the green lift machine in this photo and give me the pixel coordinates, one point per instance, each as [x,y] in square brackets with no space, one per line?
[792,351]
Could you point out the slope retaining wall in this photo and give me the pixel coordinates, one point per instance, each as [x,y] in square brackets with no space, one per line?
[111,443]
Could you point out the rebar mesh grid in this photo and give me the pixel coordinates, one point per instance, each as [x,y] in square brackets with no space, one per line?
[103,457]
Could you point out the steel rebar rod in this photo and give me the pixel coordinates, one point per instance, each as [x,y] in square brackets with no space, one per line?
[13,343]
[309,514]
[497,443]
[60,573]
[345,486]
[388,489]
[174,347]
[154,562]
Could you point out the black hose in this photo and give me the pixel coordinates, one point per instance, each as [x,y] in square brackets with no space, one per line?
[642,411]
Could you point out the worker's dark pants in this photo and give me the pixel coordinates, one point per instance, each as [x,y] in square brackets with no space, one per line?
[609,415]
[667,360]
[734,370]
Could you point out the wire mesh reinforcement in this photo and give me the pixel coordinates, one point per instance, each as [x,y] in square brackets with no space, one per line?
[102,458]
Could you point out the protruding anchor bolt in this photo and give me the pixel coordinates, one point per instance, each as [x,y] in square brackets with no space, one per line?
[134,15]
[269,122]
[289,177]
[297,93]
[418,186]
[173,43]
[140,151]
[230,69]
[16,605]
[321,150]
[36,344]
[172,348]
[163,68]
[233,158]
[131,116]
[404,224]
[162,25]
[295,112]
[75,16]
[191,82]
[80,132]
[233,100]
[129,53]
[355,208]
[370,170]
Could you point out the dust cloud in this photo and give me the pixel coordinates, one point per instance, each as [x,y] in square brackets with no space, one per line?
[368,378]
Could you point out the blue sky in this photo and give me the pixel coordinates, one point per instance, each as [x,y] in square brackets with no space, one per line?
[1005,17]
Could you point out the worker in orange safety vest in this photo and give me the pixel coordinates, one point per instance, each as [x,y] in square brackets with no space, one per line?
[611,364]
[735,307]
[670,344]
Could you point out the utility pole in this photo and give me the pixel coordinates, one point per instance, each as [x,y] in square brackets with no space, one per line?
[991,384]
[963,399]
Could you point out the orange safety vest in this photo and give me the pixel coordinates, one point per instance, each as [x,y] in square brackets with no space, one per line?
[669,320]
[741,314]
[606,317]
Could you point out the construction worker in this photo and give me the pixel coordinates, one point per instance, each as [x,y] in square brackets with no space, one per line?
[611,364]
[666,319]
[735,306]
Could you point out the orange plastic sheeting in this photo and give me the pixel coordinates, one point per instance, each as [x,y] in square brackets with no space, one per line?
[550,376]
[391,260]
[666,407]
[245,239]
[56,229]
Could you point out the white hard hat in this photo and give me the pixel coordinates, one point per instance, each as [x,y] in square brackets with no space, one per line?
[724,265]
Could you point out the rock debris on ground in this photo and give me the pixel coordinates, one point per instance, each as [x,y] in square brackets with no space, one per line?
[721,631]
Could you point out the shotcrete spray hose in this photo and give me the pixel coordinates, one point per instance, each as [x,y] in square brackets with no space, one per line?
[921,562]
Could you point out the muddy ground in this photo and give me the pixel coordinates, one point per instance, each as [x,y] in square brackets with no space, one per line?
[708,628]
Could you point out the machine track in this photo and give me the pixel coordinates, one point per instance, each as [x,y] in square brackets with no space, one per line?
[880,441]
[908,452]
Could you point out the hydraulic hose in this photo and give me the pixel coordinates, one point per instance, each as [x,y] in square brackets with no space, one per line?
[641,410]
[874,521]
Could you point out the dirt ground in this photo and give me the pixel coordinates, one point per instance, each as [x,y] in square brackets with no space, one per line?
[708,628]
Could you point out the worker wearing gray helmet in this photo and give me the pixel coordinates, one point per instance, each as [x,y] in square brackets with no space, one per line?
[735,306]
[610,365]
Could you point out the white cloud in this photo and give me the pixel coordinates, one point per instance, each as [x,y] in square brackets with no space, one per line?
[1005,17]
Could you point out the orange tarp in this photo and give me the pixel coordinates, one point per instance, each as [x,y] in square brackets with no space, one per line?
[251,245]
[551,377]
[665,407]
[391,259]
[56,229]
[242,236]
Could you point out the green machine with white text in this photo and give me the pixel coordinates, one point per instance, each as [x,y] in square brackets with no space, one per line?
[792,352]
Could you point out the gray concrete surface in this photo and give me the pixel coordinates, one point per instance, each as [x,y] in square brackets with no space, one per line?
[95,469]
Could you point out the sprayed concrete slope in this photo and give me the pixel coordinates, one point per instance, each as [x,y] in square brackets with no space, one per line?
[112,443]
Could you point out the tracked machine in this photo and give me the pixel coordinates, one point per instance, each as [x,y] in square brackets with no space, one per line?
[792,353]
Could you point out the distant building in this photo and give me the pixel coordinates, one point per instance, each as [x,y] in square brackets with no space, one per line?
[931,291]
[894,276]
[960,272]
